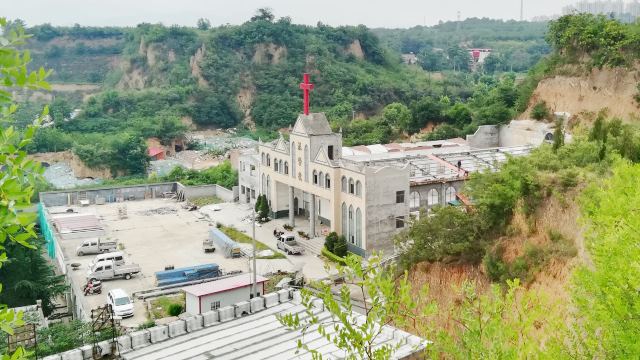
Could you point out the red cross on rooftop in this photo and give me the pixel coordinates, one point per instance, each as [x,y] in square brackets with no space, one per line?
[306,86]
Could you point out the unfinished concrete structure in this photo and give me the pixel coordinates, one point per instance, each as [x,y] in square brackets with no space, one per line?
[365,193]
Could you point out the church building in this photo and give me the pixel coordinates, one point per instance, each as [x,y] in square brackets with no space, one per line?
[365,193]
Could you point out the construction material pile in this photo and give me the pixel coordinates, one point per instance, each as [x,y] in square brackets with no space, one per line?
[165,210]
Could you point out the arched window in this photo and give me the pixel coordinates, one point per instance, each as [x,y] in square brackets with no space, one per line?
[275,165]
[358,228]
[293,159]
[352,226]
[450,194]
[315,177]
[264,184]
[345,226]
[306,163]
[344,184]
[352,189]
[263,160]
[268,160]
[432,197]
[327,182]
[414,200]
[286,168]
[358,188]
[280,166]
[321,179]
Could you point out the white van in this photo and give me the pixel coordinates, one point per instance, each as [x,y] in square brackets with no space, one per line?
[117,257]
[120,303]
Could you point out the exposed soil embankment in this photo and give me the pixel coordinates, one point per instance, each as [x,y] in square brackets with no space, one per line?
[612,89]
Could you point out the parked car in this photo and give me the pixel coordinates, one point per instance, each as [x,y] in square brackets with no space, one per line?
[287,243]
[107,270]
[120,302]
[96,246]
[117,257]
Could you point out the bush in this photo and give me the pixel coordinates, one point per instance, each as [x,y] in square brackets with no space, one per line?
[340,247]
[540,111]
[174,310]
[333,257]
[330,241]
[495,268]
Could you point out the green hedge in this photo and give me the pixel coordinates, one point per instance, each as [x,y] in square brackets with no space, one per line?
[333,257]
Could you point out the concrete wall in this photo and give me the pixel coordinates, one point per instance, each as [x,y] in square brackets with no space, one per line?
[487,136]
[110,194]
[135,192]
[382,209]
[440,187]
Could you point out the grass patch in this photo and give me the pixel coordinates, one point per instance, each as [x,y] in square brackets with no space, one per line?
[241,237]
[208,200]
[160,306]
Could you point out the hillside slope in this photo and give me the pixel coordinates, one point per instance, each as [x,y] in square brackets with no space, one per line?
[613,89]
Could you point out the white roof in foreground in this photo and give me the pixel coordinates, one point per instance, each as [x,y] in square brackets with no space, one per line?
[261,336]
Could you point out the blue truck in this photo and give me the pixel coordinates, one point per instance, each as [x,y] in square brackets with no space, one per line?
[186,274]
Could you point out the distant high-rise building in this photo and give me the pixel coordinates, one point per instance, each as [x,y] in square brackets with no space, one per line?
[618,9]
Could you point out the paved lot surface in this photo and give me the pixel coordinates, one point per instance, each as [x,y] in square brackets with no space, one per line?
[155,240]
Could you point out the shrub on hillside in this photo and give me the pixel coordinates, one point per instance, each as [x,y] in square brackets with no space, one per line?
[540,111]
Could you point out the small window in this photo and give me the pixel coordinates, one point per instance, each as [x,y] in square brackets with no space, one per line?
[327,182]
[399,222]
[108,267]
[315,177]
[215,305]
[253,194]
[400,197]
[286,168]
[242,189]
[351,187]
[330,152]
[118,258]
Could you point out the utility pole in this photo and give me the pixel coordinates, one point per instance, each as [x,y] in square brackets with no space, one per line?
[253,236]
[521,10]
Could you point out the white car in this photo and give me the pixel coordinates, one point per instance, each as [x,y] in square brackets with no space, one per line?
[120,303]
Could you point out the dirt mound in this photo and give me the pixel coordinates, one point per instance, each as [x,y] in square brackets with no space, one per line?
[194,63]
[80,170]
[355,49]
[269,54]
[612,89]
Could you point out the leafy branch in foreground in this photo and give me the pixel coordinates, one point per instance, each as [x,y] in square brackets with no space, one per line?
[18,174]
[383,300]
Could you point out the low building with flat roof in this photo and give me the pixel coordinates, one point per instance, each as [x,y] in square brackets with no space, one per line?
[220,293]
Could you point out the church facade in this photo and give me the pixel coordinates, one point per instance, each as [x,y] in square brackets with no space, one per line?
[306,177]
[365,193]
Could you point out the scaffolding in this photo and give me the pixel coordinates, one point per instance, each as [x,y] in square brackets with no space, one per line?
[47,232]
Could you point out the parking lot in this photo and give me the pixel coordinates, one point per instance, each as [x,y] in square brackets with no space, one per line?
[159,233]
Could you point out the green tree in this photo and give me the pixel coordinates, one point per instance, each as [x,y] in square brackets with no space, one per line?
[265,14]
[330,241]
[606,293]
[27,277]
[448,234]
[458,114]
[204,24]
[540,111]
[18,174]
[558,135]
[388,299]
[397,115]
[340,246]
[129,154]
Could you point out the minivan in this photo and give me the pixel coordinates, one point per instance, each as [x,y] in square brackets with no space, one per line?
[117,257]
[120,303]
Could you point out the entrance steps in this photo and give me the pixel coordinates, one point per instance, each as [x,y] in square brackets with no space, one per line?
[312,246]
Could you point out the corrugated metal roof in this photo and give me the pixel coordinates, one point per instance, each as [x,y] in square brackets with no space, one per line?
[226,284]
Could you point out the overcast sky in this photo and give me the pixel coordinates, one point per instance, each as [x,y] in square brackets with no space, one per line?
[373,13]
